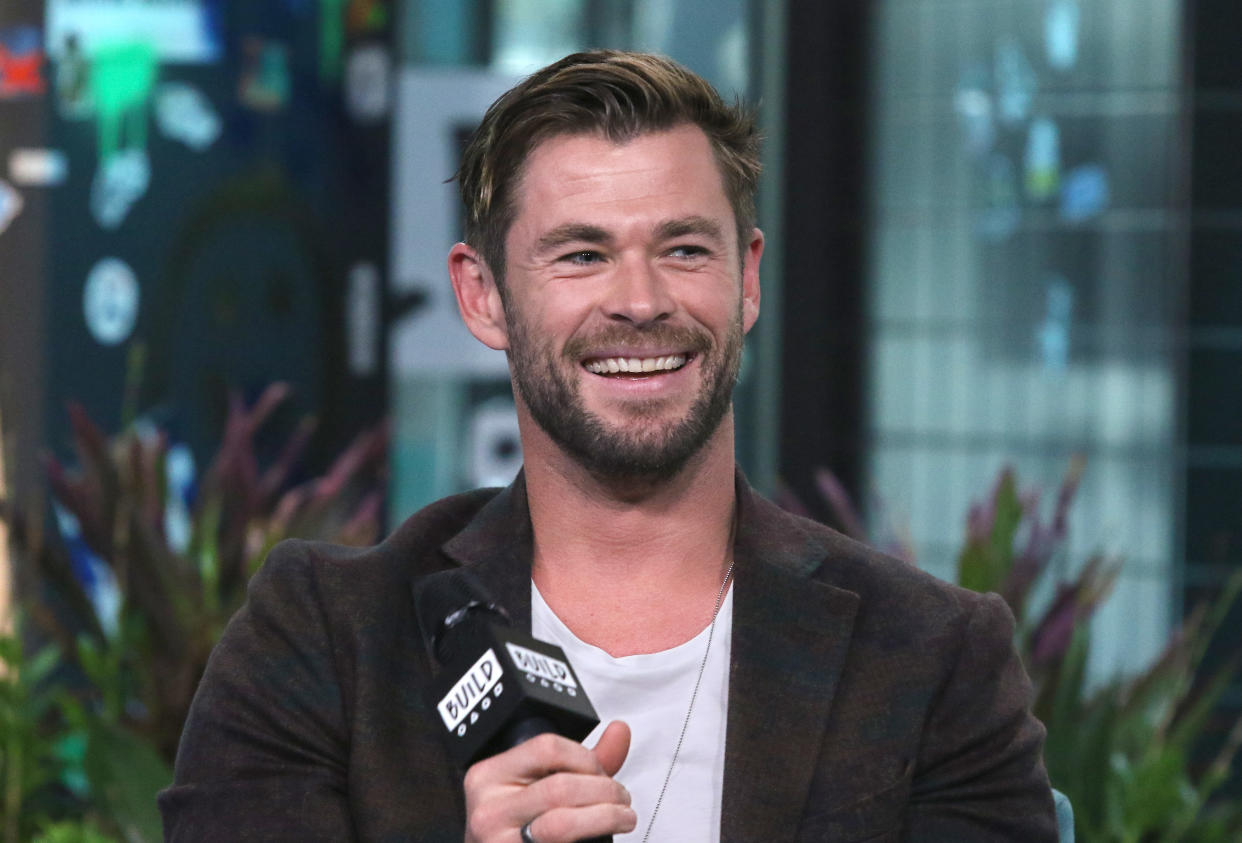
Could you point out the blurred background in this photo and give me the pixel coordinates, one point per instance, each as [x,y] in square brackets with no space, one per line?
[1002,236]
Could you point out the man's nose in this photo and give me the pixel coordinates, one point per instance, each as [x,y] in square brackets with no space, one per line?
[638,294]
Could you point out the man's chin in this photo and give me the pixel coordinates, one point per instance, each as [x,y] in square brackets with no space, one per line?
[625,455]
[619,436]
[644,422]
[630,466]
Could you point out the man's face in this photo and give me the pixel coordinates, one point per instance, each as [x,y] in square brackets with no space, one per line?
[626,298]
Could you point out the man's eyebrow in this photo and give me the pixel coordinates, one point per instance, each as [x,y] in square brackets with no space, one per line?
[572,232]
[689,225]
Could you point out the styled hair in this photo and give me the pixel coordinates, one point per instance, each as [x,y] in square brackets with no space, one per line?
[618,95]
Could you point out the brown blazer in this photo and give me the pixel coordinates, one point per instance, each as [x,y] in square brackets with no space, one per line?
[868,701]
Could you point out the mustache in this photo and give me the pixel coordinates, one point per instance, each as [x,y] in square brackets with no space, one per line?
[657,337]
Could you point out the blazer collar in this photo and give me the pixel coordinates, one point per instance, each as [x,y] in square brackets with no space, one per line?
[498,545]
[790,637]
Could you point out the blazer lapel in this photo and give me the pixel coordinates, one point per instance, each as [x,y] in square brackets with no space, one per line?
[498,545]
[790,637]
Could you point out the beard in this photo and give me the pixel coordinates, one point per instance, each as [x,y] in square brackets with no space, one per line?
[643,447]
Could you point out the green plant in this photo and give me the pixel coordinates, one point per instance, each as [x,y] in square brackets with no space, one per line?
[40,760]
[134,603]
[29,766]
[71,831]
[1124,751]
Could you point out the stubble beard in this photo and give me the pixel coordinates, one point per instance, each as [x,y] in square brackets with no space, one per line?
[642,447]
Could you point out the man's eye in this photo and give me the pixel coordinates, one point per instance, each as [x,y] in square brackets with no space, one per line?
[687,251]
[584,258]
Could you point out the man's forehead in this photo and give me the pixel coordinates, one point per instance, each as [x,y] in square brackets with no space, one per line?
[589,164]
[549,144]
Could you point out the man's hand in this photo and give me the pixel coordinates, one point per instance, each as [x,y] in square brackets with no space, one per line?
[564,790]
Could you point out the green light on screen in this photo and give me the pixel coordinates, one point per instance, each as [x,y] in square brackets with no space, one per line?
[122,76]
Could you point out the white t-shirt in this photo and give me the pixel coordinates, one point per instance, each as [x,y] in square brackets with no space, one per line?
[651,692]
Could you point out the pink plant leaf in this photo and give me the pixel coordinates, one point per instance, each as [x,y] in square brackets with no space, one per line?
[839,503]
[278,473]
[286,510]
[75,497]
[91,442]
[363,526]
[271,398]
[899,549]
[1029,566]
[1065,496]
[1051,639]
[365,448]
[979,522]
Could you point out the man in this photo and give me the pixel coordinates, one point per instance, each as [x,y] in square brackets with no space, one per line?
[778,681]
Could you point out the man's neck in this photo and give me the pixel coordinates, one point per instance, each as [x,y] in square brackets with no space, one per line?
[632,567]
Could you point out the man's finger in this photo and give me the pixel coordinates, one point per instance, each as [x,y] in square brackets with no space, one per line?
[564,825]
[570,790]
[532,760]
[613,746]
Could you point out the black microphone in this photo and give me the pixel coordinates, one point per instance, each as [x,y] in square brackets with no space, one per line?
[496,686]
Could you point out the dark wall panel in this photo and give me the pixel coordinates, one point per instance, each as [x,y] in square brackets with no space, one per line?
[825,164]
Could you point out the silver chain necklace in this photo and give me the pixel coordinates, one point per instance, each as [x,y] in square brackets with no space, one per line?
[711,631]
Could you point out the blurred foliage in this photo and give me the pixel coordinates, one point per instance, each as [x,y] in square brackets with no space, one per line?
[73,832]
[125,606]
[28,758]
[1126,752]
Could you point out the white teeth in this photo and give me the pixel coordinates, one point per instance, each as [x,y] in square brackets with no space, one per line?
[612,365]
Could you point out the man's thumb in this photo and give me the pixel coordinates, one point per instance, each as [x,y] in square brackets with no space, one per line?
[613,746]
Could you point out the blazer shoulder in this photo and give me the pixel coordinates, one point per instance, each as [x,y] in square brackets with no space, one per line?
[436,523]
[885,585]
[411,549]
[874,574]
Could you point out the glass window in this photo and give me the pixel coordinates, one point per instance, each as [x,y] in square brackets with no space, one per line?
[1024,277]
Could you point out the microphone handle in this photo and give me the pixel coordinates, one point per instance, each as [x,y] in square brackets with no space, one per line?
[523,730]
[527,728]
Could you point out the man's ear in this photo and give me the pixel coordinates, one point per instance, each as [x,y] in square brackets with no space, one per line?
[478,297]
[753,252]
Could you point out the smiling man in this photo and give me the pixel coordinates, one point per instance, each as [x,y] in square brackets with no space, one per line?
[760,676]
[624,298]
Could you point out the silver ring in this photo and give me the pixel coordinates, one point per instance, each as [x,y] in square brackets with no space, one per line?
[527,837]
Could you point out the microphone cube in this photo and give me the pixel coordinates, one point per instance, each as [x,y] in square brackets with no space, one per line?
[503,679]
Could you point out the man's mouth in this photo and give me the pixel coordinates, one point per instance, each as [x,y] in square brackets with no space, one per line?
[636,365]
